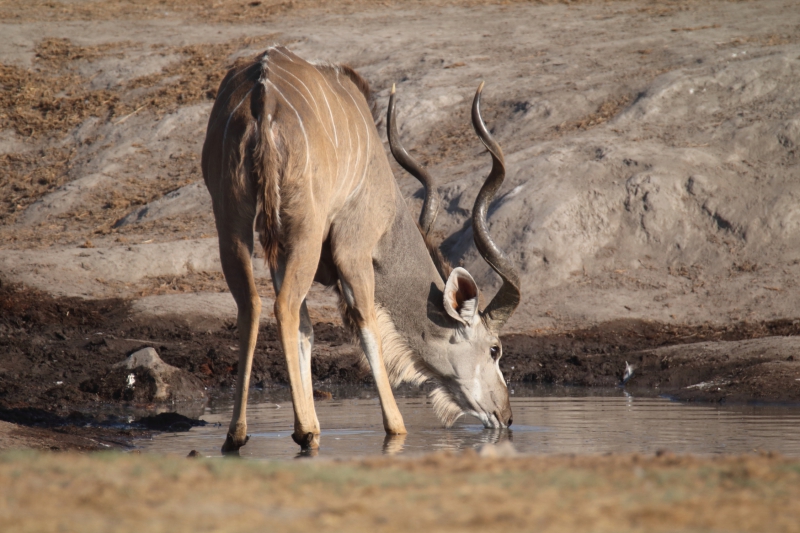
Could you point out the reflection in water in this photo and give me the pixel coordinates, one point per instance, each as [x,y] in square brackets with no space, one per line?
[307,452]
[393,444]
[546,421]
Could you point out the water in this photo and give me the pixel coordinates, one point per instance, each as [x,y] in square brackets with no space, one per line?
[546,421]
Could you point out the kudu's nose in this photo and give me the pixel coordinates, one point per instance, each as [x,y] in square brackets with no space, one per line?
[504,416]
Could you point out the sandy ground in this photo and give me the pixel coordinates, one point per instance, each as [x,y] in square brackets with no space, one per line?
[114,492]
[651,148]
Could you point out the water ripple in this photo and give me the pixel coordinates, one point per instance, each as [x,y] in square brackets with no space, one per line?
[546,421]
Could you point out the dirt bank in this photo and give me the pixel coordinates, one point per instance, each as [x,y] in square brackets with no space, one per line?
[741,362]
[431,493]
[55,350]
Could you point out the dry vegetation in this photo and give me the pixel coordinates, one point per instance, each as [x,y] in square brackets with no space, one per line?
[44,103]
[605,112]
[251,11]
[432,493]
[195,282]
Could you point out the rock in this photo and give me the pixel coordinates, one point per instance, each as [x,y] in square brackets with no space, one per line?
[169,422]
[144,378]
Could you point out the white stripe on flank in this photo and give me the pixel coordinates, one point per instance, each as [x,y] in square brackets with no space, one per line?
[298,91]
[347,123]
[333,122]
[223,89]
[299,121]
[316,107]
[219,95]
[330,113]
[277,49]
[298,79]
[230,116]
[366,128]
[358,144]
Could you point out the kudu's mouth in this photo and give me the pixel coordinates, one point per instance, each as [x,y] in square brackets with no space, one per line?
[497,419]
[451,402]
[490,420]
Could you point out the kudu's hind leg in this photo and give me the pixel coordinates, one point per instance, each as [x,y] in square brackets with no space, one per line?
[235,247]
[305,340]
[358,285]
[300,267]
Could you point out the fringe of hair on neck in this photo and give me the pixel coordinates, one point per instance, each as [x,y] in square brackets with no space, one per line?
[445,406]
[402,364]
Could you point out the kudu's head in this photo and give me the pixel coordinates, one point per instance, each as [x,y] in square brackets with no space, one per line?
[467,356]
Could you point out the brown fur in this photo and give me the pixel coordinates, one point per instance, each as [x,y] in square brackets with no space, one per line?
[274,161]
[363,86]
[265,159]
[266,162]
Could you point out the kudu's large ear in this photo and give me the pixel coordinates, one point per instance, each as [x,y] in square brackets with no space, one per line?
[461,297]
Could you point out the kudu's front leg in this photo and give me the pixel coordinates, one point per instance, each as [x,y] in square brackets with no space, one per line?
[358,285]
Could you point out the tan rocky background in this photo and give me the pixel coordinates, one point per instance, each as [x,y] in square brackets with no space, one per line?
[652,147]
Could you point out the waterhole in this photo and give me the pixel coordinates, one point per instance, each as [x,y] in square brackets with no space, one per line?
[546,421]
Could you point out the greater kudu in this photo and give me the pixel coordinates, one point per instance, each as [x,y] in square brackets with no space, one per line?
[292,151]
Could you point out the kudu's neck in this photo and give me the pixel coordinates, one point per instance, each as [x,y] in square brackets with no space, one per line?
[408,286]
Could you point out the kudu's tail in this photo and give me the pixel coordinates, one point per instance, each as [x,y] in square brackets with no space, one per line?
[265,169]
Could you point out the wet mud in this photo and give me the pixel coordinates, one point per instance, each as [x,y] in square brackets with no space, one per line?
[55,351]
[597,356]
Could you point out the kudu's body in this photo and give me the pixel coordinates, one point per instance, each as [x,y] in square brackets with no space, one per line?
[292,151]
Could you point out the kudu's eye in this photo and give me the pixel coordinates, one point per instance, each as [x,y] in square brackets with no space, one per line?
[495,351]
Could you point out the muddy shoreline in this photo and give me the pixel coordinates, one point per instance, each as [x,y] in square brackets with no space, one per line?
[56,349]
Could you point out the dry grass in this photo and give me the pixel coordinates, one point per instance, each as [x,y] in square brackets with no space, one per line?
[44,103]
[250,11]
[434,493]
[30,175]
[605,112]
[51,98]
[196,282]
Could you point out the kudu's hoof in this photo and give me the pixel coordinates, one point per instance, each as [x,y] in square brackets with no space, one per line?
[232,445]
[307,441]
